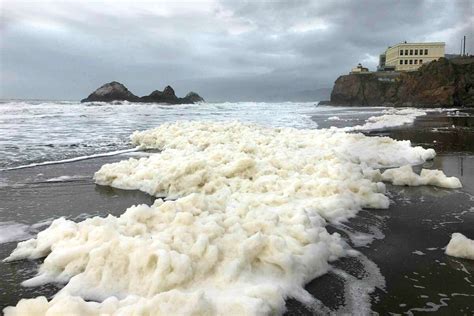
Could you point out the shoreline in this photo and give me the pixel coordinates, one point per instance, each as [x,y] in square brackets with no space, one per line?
[80,158]
[37,200]
[409,218]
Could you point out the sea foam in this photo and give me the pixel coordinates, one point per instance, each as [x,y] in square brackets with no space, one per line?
[391,118]
[405,176]
[245,231]
[460,246]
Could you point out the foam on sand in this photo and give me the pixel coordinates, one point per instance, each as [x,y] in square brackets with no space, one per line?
[391,118]
[460,246]
[405,176]
[246,229]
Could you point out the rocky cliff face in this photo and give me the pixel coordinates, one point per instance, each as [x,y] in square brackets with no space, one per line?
[115,91]
[439,83]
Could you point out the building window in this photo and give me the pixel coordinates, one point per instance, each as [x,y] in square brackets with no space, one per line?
[416,51]
[406,51]
[416,61]
[421,61]
[401,62]
[406,61]
[421,52]
[411,61]
[411,51]
[401,52]
[426,52]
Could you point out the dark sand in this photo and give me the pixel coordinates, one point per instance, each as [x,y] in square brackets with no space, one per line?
[419,276]
[33,200]
[409,236]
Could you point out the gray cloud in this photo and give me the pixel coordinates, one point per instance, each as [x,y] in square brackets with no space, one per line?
[225,50]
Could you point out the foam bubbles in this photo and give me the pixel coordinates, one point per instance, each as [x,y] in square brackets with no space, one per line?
[460,246]
[391,118]
[405,176]
[247,228]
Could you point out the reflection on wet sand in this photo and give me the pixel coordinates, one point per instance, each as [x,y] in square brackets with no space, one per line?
[441,131]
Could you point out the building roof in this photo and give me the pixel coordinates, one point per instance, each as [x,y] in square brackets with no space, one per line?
[418,44]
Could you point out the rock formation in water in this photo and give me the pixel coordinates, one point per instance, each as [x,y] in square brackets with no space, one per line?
[112,91]
[193,97]
[439,83]
[165,96]
[115,91]
[168,96]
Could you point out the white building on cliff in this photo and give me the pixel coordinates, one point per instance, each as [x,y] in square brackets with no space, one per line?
[410,56]
[359,69]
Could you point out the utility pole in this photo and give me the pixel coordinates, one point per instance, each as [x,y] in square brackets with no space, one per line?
[464,47]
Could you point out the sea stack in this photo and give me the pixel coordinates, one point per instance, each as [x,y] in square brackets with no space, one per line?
[112,91]
[115,91]
[193,97]
[165,96]
[168,96]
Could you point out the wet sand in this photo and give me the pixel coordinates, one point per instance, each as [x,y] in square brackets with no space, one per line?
[419,276]
[408,237]
[447,133]
[32,199]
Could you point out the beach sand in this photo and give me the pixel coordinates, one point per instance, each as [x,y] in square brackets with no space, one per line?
[418,225]
[408,238]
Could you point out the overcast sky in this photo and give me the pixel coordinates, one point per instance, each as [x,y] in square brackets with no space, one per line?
[224,50]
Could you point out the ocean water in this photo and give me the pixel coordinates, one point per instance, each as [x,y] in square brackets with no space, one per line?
[39,131]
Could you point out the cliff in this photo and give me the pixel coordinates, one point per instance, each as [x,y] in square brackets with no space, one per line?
[443,82]
[115,91]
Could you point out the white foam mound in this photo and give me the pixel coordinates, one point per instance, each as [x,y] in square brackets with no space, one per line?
[405,176]
[391,118]
[184,255]
[460,246]
[246,231]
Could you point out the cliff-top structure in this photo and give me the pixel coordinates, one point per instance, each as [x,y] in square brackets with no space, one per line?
[440,83]
[410,56]
[115,91]
[410,74]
